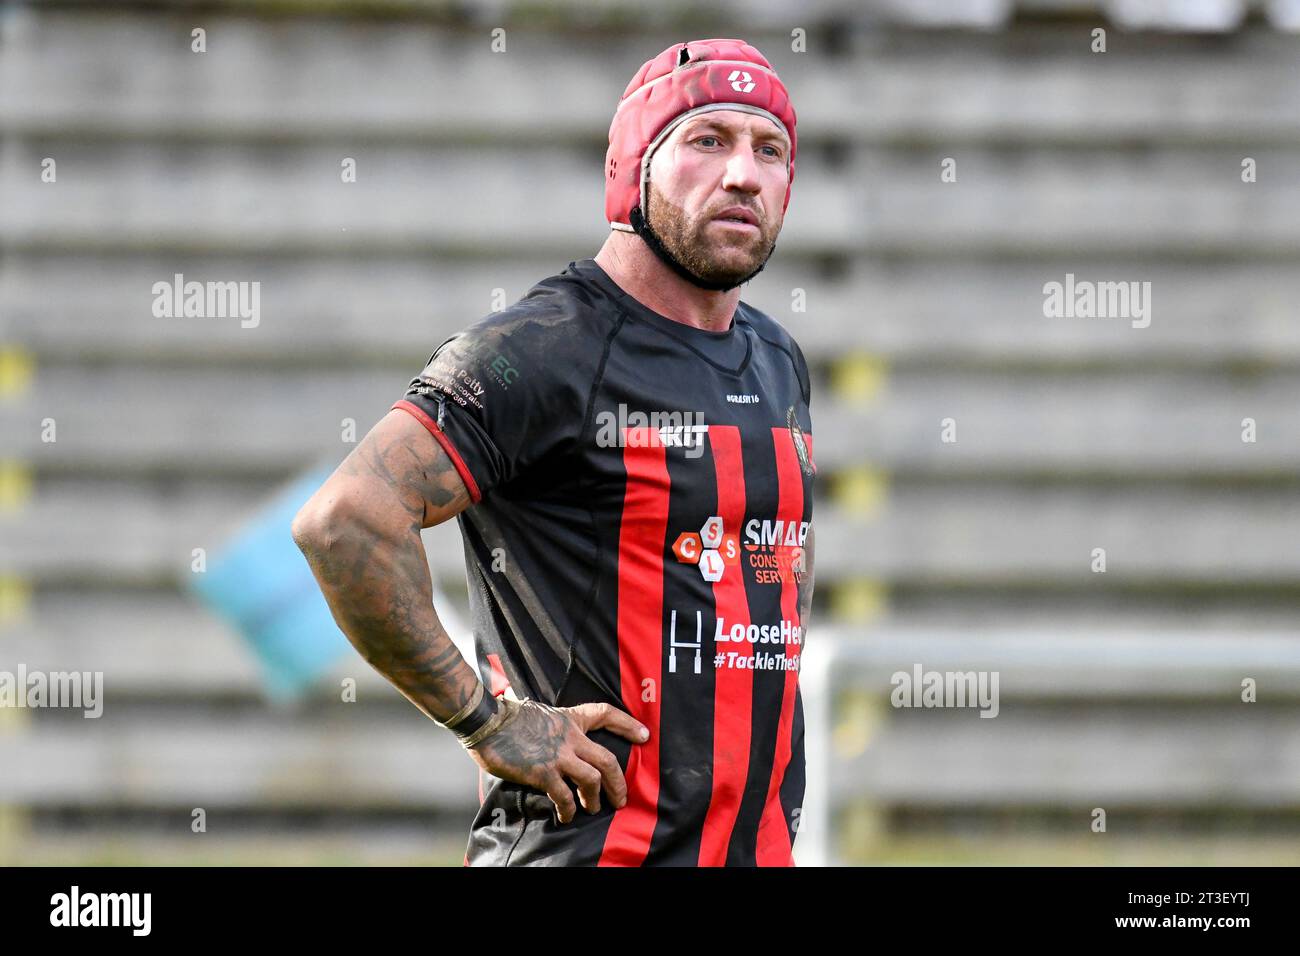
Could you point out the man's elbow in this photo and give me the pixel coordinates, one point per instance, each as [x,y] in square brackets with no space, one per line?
[318,526]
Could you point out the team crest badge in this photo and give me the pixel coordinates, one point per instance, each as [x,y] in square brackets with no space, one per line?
[806,463]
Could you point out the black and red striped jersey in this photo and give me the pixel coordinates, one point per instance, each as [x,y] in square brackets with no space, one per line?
[642,494]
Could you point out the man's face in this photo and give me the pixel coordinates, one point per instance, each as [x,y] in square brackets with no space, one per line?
[711,163]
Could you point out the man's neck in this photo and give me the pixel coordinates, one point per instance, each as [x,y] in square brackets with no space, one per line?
[639,272]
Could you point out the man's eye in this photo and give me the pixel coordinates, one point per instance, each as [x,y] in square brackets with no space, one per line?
[775,152]
[703,138]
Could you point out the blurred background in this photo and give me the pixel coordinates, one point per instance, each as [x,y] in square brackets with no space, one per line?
[955,158]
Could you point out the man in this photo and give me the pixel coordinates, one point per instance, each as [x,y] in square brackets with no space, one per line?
[627,450]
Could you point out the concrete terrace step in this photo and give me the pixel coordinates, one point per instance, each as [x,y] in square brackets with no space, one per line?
[990,534]
[226,198]
[966,311]
[339,757]
[265,419]
[125,72]
[1114,757]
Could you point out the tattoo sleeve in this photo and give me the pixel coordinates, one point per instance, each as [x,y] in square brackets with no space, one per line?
[360,534]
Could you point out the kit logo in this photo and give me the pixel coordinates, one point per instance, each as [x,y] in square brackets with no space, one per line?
[711,548]
[741,81]
[627,428]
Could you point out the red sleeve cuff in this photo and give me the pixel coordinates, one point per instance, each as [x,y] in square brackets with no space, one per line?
[461,468]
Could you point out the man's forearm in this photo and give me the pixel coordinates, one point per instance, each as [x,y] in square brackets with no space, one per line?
[381,596]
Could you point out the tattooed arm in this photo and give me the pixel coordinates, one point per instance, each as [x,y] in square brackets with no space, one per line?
[360,533]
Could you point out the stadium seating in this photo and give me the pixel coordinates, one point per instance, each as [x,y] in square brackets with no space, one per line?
[915,300]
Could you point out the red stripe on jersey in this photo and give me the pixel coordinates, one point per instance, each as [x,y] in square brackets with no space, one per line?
[642,534]
[774,847]
[733,692]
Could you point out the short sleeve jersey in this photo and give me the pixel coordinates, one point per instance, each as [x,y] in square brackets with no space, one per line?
[642,492]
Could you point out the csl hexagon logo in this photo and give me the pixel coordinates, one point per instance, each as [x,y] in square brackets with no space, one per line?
[741,81]
[710,548]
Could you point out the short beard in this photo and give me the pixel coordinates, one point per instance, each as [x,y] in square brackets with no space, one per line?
[684,250]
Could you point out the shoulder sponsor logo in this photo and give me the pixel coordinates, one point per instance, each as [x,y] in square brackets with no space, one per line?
[458,374]
[503,371]
[454,381]
[742,399]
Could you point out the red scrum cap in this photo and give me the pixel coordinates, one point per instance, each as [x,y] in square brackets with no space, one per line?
[684,80]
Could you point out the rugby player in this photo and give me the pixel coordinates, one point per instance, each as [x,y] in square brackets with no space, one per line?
[628,452]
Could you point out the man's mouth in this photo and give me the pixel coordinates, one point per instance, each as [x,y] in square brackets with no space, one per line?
[737,215]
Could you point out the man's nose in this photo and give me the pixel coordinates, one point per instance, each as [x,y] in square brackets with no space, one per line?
[742,170]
